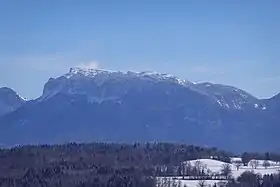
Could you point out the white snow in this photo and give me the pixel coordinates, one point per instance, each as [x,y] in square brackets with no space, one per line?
[215,166]
[100,76]
[263,107]
[272,163]
[236,159]
[236,104]
[222,102]
[86,72]
[191,183]
[24,99]
[219,102]
[194,183]
[94,72]
[207,182]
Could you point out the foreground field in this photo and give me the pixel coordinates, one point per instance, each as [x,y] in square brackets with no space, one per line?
[215,166]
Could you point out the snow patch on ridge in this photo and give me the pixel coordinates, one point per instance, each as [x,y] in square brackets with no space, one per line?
[95,72]
[22,98]
[263,107]
[227,97]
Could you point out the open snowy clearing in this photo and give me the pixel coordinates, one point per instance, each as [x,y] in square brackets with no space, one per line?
[215,166]
[194,183]
[238,159]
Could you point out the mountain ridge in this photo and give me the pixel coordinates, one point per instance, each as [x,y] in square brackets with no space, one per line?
[217,91]
[9,100]
[115,106]
[90,72]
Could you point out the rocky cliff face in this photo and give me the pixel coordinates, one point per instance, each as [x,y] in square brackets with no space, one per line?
[100,105]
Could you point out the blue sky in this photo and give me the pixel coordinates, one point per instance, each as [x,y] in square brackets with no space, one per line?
[228,42]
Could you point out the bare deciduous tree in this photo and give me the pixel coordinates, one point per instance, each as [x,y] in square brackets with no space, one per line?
[254,164]
[201,183]
[226,171]
[188,168]
[168,182]
[200,168]
[198,165]
[238,164]
[266,164]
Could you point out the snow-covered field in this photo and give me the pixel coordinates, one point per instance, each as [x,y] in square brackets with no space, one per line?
[194,183]
[215,167]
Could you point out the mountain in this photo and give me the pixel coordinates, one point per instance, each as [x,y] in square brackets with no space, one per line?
[273,106]
[275,100]
[9,100]
[81,81]
[99,105]
[229,97]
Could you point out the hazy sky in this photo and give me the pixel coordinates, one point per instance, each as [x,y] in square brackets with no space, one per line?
[234,42]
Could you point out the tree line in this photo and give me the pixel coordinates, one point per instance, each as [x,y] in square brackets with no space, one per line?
[100,164]
[96,164]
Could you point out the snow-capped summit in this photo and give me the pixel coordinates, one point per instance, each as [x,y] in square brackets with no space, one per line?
[77,71]
[101,84]
[97,105]
[97,82]
[83,72]
[9,100]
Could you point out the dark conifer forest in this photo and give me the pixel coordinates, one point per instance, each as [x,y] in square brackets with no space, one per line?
[108,164]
